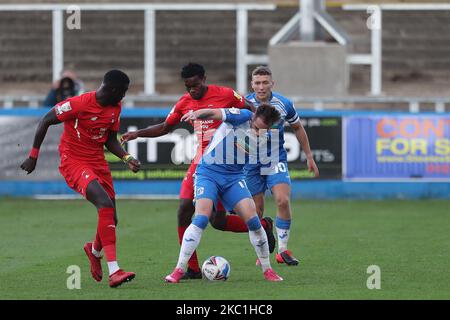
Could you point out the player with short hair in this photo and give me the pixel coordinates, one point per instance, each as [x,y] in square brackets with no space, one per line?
[91,122]
[278,180]
[199,96]
[220,175]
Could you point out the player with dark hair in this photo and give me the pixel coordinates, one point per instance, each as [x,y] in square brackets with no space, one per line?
[91,121]
[198,96]
[277,180]
[220,175]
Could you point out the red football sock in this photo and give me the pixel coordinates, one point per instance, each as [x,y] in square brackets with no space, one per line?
[107,232]
[97,243]
[193,261]
[235,223]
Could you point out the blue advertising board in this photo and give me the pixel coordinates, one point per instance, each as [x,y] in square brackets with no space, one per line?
[397,147]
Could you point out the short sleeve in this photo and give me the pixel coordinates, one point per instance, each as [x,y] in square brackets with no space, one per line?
[292,115]
[174,117]
[68,109]
[234,99]
[236,116]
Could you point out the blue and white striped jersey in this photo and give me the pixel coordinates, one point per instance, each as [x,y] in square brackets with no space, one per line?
[287,112]
[233,144]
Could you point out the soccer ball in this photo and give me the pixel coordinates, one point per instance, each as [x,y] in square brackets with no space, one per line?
[216,268]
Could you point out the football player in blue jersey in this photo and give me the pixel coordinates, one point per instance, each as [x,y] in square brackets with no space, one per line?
[220,176]
[261,177]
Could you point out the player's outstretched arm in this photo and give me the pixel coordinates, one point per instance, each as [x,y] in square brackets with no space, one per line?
[46,121]
[113,145]
[203,114]
[156,130]
[302,138]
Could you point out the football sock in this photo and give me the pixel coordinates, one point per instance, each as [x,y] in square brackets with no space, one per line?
[193,261]
[112,267]
[258,239]
[107,232]
[283,229]
[96,253]
[97,244]
[191,240]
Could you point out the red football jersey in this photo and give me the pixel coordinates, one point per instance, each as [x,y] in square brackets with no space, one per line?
[215,97]
[86,126]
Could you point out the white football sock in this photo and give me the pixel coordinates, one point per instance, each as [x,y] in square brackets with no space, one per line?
[96,253]
[258,238]
[191,240]
[112,267]
[283,238]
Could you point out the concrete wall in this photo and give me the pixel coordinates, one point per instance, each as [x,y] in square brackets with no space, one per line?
[309,69]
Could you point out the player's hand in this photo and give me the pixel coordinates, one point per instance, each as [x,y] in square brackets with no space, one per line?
[29,165]
[190,116]
[312,167]
[128,136]
[134,165]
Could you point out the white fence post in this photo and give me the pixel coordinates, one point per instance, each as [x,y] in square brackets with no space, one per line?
[58,43]
[241,50]
[149,36]
[376,44]
[307,27]
[440,107]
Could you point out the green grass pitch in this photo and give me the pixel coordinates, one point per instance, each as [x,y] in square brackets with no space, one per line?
[335,241]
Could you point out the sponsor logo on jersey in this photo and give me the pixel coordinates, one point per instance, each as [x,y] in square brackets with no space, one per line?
[63,108]
[234,110]
[237,95]
[95,135]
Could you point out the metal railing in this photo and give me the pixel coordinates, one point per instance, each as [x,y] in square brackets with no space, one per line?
[243,58]
[375,22]
[411,104]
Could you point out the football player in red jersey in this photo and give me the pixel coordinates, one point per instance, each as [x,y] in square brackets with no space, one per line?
[198,96]
[91,121]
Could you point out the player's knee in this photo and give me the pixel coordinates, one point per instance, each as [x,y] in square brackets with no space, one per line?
[103,202]
[283,202]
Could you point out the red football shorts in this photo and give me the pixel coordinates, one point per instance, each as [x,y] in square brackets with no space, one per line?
[187,186]
[79,174]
